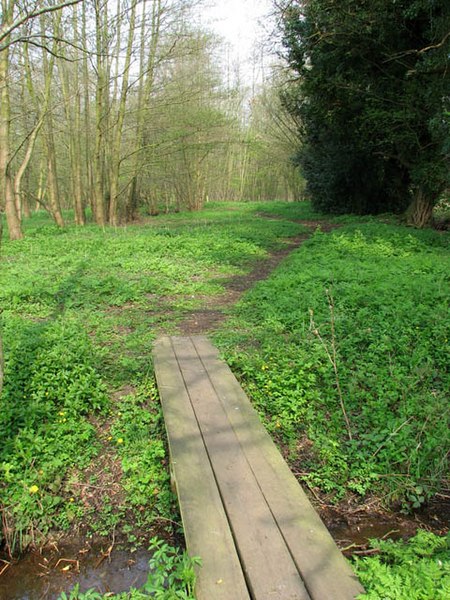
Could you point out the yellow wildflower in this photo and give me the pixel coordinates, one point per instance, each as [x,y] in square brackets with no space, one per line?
[33,489]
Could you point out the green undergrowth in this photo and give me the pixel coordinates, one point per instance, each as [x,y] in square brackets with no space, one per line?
[353,325]
[50,390]
[415,570]
[83,441]
[344,351]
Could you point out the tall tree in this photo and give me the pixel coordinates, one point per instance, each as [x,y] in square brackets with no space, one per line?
[6,184]
[371,91]
[150,40]
[69,76]
[48,64]
[103,70]
[117,130]
[16,27]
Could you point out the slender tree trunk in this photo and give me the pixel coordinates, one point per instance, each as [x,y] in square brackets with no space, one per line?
[49,137]
[23,167]
[133,190]
[89,182]
[72,107]
[118,130]
[6,187]
[41,186]
[146,83]
[80,216]
[101,22]
[77,172]
[25,197]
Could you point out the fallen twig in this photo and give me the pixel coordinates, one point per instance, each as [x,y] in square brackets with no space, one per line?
[106,554]
[70,561]
[5,567]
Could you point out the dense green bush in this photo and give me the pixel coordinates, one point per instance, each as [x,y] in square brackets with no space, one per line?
[370,95]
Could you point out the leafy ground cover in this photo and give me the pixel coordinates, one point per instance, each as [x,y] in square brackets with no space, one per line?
[82,436]
[415,570]
[343,350]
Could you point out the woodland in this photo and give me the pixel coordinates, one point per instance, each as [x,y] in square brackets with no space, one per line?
[115,107]
[150,186]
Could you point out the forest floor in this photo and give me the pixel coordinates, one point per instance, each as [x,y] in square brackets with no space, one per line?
[282,292]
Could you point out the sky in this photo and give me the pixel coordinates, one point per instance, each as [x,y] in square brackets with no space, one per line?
[243,24]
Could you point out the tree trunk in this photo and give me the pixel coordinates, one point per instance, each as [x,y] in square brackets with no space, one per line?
[77,172]
[69,77]
[89,181]
[101,111]
[121,110]
[23,167]
[147,70]
[49,137]
[6,187]
[420,210]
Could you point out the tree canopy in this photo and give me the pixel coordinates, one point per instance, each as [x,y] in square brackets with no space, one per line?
[372,93]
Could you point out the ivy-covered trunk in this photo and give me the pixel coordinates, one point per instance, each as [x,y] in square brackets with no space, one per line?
[420,210]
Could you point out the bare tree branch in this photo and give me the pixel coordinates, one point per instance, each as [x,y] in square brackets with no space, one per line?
[421,51]
[6,31]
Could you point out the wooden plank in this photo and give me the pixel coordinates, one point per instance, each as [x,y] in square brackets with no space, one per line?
[325,571]
[205,523]
[267,563]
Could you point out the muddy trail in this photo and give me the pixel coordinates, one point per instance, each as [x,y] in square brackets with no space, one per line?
[213,313]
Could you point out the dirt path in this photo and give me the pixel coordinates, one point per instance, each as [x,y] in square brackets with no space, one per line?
[213,313]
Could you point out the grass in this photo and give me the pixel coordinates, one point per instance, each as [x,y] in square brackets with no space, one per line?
[81,308]
[355,321]
[343,350]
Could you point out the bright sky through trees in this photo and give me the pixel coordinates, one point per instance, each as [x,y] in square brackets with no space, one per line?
[241,23]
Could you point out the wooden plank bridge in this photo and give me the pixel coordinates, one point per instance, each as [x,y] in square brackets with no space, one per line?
[243,511]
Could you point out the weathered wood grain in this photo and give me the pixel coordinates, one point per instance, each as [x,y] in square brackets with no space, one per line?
[324,570]
[243,510]
[205,522]
[266,561]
